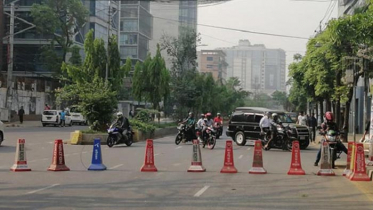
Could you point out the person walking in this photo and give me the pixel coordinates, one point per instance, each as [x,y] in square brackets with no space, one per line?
[63,114]
[302,119]
[313,124]
[21,112]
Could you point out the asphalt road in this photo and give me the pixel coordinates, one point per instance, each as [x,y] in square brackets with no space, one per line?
[123,186]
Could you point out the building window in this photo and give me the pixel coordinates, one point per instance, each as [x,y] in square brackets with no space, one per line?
[128,52]
[129,12]
[209,66]
[210,58]
[129,25]
[128,39]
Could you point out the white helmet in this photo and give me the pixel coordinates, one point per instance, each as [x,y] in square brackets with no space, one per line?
[119,114]
[274,115]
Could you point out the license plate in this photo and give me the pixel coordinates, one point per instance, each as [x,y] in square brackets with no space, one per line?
[302,138]
[49,118]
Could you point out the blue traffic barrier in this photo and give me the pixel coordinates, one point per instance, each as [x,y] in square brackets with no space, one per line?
[97,164]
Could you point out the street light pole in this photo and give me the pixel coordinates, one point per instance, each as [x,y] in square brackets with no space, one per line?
[10,62]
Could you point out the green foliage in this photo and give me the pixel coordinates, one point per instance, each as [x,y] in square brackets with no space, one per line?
[145,115]
[76,58]
[116,72]
[142,126]
[59,20]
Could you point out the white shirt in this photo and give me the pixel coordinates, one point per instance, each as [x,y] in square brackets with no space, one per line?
[200,123]
[265,122]
[302,120]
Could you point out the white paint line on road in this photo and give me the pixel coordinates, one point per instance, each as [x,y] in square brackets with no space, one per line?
[241,156]
[156,154]
[248,148]
[201,191]
[176,164]
[84,152]
[178,147]
[45,188]
[117,166]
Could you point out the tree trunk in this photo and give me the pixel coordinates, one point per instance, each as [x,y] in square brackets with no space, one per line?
[328,105]
[338,113]
[346,120]
[317,110]
[321,110]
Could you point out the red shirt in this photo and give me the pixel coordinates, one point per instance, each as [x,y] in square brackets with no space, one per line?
[218,120]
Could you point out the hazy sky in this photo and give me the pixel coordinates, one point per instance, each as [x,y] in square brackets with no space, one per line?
[287,17]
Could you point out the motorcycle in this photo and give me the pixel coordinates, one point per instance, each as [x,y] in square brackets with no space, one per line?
[182,133]
[115,137]
[209,138]
[218,127]
[332,138]
[283,140]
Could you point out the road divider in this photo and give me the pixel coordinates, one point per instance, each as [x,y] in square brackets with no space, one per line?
[20,160]
[196,165]
[228,159]
[97,164]
[58,160]
[149,158]
[296,163]
[257,167]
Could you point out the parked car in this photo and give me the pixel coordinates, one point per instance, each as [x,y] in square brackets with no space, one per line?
[76,116]
[244,125]
[53,117]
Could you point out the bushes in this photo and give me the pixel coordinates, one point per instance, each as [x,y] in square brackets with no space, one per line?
[144,127]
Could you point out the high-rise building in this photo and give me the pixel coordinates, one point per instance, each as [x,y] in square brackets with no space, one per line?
[171,18]
[213,61]
[136,25]
[259,69]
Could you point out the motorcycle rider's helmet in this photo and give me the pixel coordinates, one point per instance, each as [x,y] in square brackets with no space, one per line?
[208,115]
[218,114]
[119,114]
[274,116]
[190,113]
[202,115]
[329,116]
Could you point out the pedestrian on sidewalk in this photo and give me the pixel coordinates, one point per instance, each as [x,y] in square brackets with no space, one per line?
[367,128]
[47,107]
[313,124]
[62,124]
[21,112]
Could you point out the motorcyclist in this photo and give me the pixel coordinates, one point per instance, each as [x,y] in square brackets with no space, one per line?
[122,124]
[190,124]
[201,122]
[274,123]
[329,124]
[208,122]
[219,120]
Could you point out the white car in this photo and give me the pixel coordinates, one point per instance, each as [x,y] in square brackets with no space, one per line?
[76,116]
[53,117]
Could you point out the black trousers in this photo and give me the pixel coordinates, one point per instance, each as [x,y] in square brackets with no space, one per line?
[21,118]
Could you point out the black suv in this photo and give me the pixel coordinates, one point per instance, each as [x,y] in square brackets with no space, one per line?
[244,124]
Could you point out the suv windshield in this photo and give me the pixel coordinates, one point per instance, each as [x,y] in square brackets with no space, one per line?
[284,118]
[49,113]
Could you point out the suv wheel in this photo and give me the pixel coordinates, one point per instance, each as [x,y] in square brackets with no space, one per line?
[240,138]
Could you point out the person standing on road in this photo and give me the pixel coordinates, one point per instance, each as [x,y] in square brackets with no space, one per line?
[302,119]
[265,124]
[63,114]
[21,112]
[312,124]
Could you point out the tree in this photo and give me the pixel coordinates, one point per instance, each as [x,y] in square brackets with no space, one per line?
[76,58]
[116,72]
[59,20]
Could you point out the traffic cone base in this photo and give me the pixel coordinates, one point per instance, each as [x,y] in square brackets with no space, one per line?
[228,159]
[196,164]
[296,165]
[257,167]
[257,170]
[149,158]
[58,162]
[20,159]
[97,164]
[359,169]
[325,172]
[346,171]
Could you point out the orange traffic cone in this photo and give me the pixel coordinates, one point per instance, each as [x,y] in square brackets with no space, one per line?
[228,159]
[149,158]
[58,162]
[359,173]
[196,165]
[20,161]
[296,164]
[258,159]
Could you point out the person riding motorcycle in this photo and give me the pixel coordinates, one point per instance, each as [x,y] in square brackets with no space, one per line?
[219,120]
[274,124]
[189,123]
[122,123]
[200,122]
[329,124]
[208,122]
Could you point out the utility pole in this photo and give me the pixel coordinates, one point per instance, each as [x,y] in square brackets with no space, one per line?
[1,32]
[10,62]
[108,39]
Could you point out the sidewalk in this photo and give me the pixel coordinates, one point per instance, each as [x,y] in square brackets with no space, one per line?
[24,124]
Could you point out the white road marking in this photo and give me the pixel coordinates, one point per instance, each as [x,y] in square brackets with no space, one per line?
[117,166]
[178,147]
[201,191]
[176,164]
[241,156]
[45,188]
[84,152]
[248,148]
[156,154]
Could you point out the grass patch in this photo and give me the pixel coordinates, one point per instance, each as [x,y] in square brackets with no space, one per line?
[164,125]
